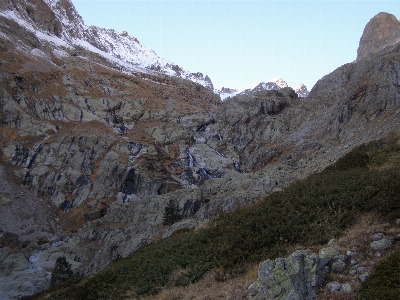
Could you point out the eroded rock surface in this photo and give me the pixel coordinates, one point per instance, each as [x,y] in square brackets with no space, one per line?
[101,150]
[296,277]
[382,31]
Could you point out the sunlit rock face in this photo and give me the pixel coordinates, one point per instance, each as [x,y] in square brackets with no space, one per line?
[382,31]
[302,91]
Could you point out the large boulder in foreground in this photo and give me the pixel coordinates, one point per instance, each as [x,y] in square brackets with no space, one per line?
[296,277]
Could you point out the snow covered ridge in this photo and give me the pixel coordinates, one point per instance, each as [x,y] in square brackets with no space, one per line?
[301,90]
[68,31]
[278,84]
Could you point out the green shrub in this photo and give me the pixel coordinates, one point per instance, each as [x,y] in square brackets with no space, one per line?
[62,271]
[171,213]
[357,158]
[384,282]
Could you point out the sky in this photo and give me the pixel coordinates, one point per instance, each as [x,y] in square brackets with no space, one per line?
[239,44]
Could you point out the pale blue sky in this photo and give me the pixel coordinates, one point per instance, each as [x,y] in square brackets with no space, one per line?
[242,43]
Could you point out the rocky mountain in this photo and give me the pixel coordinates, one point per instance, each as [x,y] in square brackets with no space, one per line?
[227,92]
[94,147]
[302,91]
[57,25]
[266,86]
[278,84]
[382,31]
[281,83]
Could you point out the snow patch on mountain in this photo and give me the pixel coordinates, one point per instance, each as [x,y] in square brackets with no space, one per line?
[120,49]
[302,91]
[276,84]
[281,83]
[225,93]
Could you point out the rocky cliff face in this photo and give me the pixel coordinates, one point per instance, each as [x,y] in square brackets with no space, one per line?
[97,148]
[382,31]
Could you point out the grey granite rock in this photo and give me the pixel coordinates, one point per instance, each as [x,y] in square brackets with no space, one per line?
[338,266]
[295,277]
[363,276]
[382,244]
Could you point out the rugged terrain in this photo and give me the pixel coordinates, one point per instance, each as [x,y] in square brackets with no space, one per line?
[95,145]
[224,93]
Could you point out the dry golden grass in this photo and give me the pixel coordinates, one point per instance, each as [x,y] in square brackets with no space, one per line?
[208,289]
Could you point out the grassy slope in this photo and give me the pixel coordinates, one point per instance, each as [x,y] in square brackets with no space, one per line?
[310,211]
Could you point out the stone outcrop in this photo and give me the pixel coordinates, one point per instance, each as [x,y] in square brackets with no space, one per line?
[301,275]
[296,277]
[382,31]
[330,272]
[382,244]
[29,239]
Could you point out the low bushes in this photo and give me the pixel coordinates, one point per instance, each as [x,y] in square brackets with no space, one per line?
[384,282]
[310,212]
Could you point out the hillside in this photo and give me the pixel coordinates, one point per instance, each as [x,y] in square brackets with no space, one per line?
[309,212]
[95,145]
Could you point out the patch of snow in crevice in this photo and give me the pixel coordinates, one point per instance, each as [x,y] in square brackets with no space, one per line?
[52,39]
[39,53]
[60,53]
[51,3]
[126,71]
[11,15]
[224,96]
[147,79]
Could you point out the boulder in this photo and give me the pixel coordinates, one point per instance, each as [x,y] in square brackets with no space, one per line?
[328,252]
[296,277]
[382,244]
[363,276]
[346,287]
[338,266]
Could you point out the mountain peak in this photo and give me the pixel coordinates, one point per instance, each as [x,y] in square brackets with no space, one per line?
[57,25]
[275,84]
[381,31]
[281,83]
[301,90]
